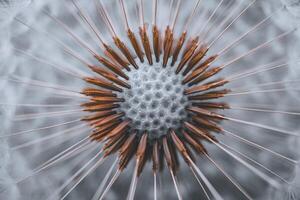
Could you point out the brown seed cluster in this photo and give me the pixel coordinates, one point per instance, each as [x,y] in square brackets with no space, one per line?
[189,56]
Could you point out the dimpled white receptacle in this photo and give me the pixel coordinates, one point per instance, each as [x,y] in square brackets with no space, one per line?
[156,101]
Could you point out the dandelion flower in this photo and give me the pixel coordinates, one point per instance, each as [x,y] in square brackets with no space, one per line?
[151,99]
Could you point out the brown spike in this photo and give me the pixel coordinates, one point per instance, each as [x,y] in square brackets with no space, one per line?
[89,104]
[100,136]
[199,132]
[201,111]
[127,151]
[114,144]
[146,43]
[120,129]
[168,43]
[206,75]
[199,70]
[109,76]
[105,127]
[170,155]
[117,57]
[92,103]
[178,48]
[141,153]
[100,107]
[207,124]
[210,105]
[98,115]
[207,86]
[143,161]
[107,99]
[180,146]
[111,141]
[98,92]
[142,146]
[113,67]
[194,74]
[135,45]
[156,42]
[167,153]
[101,133]
[198,56]
[125,51]
[198,146]
[161,156]
[190,43]
[187,55]
[174,155]
[128,143]
[102,83]
[125,158]
[155,157]
[108,119]
[209,95]
[204,65]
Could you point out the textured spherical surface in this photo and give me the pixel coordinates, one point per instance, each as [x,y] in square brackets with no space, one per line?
[155,101]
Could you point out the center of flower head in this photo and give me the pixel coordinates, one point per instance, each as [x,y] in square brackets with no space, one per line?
[156,101]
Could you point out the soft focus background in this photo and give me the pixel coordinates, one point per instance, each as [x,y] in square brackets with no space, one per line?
[16,164]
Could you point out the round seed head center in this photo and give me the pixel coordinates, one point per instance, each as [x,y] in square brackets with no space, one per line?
[156,100]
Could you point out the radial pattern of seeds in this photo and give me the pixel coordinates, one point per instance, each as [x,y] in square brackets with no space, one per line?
[154,95]
[155,102]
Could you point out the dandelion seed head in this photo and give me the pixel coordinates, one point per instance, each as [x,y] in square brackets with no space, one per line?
[144,104]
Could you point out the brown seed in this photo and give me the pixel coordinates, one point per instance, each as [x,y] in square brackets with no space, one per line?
[110,76]
[194,143]
[100,107]
[102,83]
[204,122]
[207,86]
[210,105]
[156,41]
[206,75]
[135,45]
[155,157]
[108,119]
[141,153]
[146,43]
[98,92]
[201,111]
[125,51]
[109,126]
[204,64]
[117,57]
[114,144]
[113,67]
[198,56]
[127,151]
[98,115]
[167,153]
[120,129]
[101,133]
[168,43]
[107,99]
[178,48]
[199,132]
[209,95]
[187,55]
[180,146]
